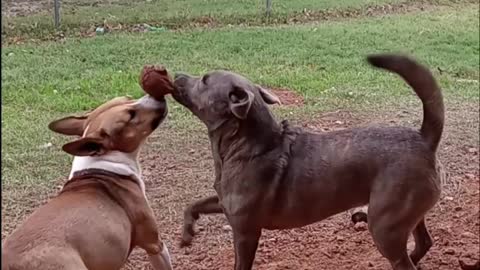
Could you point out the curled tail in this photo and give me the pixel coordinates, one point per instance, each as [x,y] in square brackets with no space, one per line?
[426,88]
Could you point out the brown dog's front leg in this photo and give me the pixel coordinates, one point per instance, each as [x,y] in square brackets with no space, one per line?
[159,256]
[246,244]
[204,206]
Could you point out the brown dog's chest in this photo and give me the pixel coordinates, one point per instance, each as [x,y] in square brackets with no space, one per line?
[125,192]
[97,219]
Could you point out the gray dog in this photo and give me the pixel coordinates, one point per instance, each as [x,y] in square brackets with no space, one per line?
[271,175]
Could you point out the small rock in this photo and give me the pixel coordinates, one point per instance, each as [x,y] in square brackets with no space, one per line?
[472,150]
[443,262]
[226,228]
[468,235]
[358,241]
[470,176]
[100,31]
[449,251]
[360,226]
[46,145]
[448,198]
[338,122]
[11,54]
[339,238]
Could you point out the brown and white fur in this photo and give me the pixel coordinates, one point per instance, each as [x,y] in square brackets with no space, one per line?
[102,212]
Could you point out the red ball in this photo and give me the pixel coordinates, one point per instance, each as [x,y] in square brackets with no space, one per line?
[155,81]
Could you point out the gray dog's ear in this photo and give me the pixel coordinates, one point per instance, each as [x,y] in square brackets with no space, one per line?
[268,96]
[240,102]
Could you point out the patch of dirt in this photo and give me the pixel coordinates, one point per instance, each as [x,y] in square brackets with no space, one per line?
[178,170]
[20,8]
[287,97]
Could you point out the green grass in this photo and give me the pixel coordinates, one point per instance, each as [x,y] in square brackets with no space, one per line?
[80,14]
[324,62]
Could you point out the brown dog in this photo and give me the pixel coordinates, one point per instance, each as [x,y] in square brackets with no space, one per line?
[275,176]
[102,213]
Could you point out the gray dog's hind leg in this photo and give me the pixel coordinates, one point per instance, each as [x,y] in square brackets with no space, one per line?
[359,214]
[423,242]
[392,244]
[246,244]
[392,216]
[207,205]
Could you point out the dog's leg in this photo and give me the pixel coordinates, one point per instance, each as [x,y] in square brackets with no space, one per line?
[159,256]
[146,236]
[245,244]
[423,242]
[392,244]
[359,214]
[390,223]
[208,205]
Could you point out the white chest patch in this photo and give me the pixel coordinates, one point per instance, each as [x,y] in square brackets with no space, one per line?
[115,162]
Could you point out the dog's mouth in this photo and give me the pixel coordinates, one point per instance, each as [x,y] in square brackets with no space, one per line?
[179,90]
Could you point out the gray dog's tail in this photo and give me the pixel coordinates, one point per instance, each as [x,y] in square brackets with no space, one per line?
[427,89]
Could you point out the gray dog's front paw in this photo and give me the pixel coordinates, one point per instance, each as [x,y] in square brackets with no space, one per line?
[359,217]
[188,228]
[186,239]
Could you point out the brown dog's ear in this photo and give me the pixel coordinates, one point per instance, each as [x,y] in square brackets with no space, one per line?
[240,102]
[268,96]
[86,146]
[72,125]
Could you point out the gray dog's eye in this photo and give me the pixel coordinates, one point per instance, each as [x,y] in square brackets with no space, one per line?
[205,78]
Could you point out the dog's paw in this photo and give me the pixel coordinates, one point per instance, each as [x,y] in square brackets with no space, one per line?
[359,217]
[186,240]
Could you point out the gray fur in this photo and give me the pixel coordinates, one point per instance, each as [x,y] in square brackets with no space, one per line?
[272,175]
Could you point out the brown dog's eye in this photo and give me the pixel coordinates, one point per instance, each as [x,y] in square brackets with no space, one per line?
[132,114]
